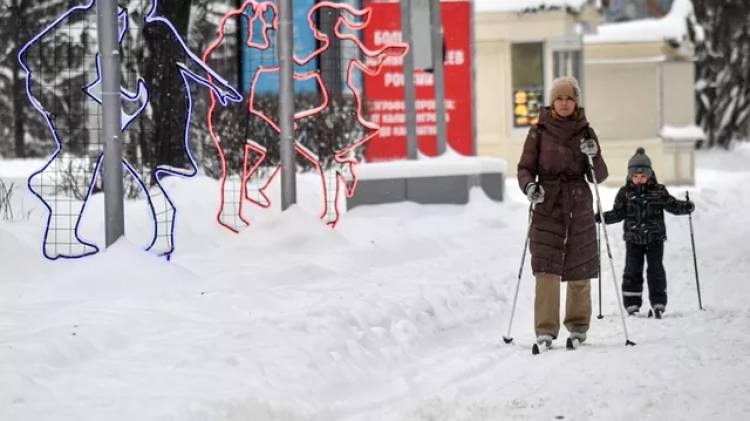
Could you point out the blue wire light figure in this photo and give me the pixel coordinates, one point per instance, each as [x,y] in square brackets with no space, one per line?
[62,237]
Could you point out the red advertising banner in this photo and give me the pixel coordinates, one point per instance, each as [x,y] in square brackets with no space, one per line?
[385,92]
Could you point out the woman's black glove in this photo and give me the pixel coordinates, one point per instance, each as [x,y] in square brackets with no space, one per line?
[589,148]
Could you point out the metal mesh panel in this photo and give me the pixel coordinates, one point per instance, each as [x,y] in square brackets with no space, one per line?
[63,80]
[246,135]
[61,63]
[245,145]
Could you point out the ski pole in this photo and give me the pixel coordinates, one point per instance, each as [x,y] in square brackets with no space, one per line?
[695,260]
[507,338]
[609,253]
[599,256]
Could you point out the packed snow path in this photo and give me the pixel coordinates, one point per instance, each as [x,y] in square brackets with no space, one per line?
[398,314]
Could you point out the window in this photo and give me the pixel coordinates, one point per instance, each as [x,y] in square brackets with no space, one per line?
[566,63]
[528,82]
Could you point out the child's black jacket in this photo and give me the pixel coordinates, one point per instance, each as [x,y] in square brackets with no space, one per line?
[642,207]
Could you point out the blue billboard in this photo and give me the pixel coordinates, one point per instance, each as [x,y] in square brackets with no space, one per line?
[252,57]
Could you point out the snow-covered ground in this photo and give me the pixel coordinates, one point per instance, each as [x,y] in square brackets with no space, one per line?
[397,314]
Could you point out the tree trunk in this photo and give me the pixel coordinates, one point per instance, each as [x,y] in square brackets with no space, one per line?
[168,96]
[240,40]
[723,83]
[18,114]
[18,86]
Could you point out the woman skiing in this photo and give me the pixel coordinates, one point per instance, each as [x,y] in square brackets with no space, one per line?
[552,172]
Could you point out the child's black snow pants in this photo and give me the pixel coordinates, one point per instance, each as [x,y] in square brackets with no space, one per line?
[632,278]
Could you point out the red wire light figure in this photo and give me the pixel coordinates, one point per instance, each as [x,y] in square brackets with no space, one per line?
[341,170]
[234,147]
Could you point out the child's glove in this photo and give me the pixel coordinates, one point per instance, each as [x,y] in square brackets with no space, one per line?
[535,193]
[690,206]
[589,148]
[597,218]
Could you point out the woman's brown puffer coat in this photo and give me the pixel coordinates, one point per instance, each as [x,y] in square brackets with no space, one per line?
[563,234]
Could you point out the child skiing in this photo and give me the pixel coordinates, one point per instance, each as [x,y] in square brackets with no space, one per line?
[641,203]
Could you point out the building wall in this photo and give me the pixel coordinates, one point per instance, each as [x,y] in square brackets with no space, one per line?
[679,93]
[494,34]
[640,51]
[634,89]
[678,110]
[630,91]
[493,78]
[626,109]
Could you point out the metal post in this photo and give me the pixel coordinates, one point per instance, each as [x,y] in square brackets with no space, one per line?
[436,30]
[473,48]
[285,42]
[106,13]
[409,91]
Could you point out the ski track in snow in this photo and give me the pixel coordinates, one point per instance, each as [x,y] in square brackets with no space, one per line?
[398,314]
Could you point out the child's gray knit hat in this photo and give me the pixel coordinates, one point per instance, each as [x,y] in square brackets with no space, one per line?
[640,162]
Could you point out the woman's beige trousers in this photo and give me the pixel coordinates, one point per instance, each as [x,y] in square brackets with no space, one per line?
[547,305]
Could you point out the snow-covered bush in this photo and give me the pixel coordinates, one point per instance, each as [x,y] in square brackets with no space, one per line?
[722,79]
[6,192]
[331,130]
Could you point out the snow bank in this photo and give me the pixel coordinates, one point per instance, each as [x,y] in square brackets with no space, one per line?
[449,164]
[673,26]
[21,253]
[19,168]
[395,315]
[521,5]
[486,164]
[286,319]
[413,168]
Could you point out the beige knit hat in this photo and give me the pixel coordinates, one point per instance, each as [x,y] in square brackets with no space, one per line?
[565,86]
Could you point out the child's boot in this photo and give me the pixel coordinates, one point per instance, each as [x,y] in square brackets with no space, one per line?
[658,310]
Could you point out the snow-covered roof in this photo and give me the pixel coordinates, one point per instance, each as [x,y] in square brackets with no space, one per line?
[691,132]
[521,5]
[672,27]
